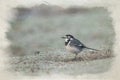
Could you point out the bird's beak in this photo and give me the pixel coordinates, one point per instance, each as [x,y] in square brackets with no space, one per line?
[63,37]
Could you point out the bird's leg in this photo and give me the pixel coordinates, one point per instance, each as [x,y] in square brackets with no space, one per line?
[81,59]
[75,58]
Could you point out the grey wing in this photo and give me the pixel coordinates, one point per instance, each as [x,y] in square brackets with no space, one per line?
[76,42]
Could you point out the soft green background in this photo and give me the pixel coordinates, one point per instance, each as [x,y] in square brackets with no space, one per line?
[32,31]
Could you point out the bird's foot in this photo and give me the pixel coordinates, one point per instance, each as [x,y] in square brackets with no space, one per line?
[81,59]
[78,59]
[74,59]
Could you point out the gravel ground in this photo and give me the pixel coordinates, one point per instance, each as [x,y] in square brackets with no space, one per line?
[91,62]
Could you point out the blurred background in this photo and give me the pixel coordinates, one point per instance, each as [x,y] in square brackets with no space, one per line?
[40,28]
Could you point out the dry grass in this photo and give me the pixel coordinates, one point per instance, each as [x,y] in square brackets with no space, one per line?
[46,64]
[102,54]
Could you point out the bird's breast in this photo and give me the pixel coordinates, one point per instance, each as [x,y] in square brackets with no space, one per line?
[72,49]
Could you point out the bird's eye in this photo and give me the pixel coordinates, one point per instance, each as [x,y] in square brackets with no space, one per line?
[68,36]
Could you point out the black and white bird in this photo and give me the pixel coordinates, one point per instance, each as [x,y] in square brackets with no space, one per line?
[74,46]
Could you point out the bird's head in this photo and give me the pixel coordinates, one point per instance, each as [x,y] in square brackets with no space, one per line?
[68,37]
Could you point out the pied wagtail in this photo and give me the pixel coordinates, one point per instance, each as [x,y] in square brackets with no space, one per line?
[73,45]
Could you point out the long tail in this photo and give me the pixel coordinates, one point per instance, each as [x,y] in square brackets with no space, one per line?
[92,49]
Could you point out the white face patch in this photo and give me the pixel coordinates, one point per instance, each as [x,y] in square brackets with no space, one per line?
[66,39]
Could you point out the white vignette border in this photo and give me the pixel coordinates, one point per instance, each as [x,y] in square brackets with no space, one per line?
[6,14]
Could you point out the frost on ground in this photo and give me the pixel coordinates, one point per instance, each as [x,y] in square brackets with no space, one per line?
[92,62]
